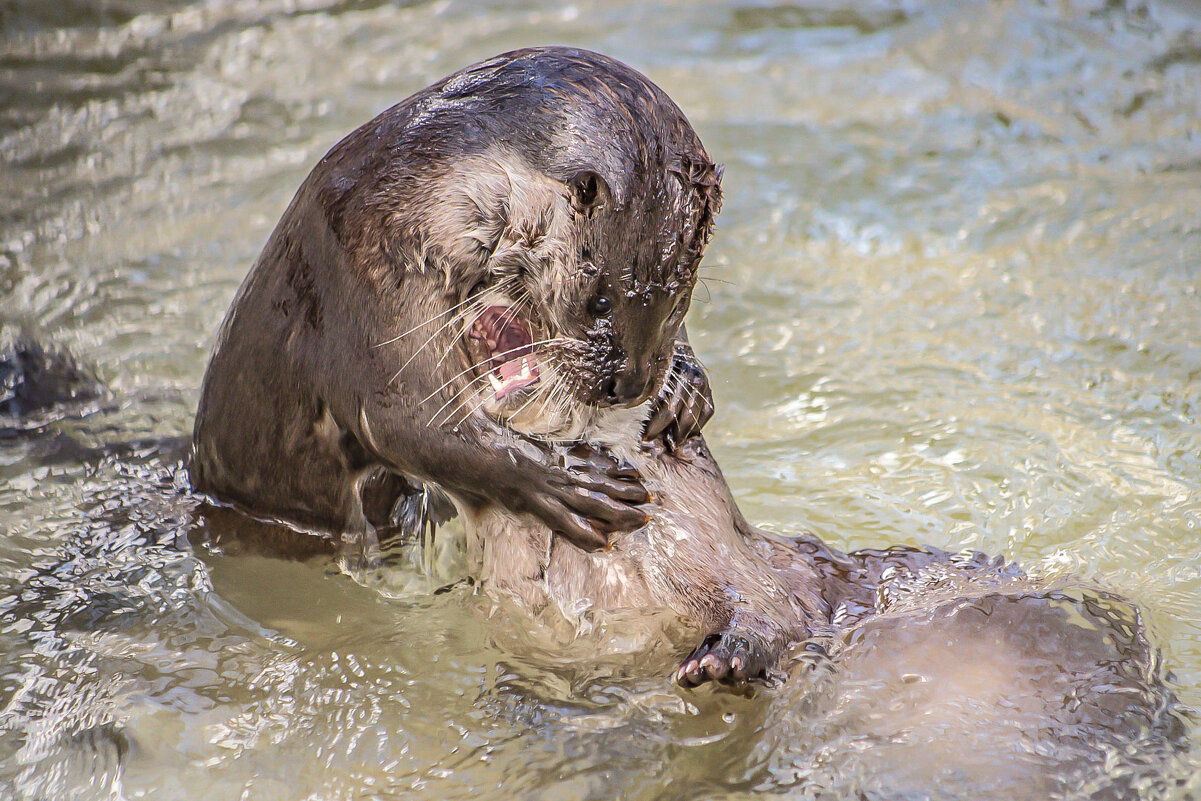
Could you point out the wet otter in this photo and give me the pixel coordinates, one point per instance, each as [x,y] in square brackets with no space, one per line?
[332,395]
[500,263]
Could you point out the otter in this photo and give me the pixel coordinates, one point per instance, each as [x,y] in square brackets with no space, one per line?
[481,293]
[333,399]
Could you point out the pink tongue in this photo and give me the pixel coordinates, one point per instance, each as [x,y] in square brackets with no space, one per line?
[508,375]
[510,369]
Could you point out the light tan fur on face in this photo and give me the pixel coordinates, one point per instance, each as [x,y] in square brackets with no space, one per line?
[517,223]
[497,209]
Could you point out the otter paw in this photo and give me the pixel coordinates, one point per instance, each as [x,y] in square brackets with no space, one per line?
[729,657]
[586,497]
[683,405]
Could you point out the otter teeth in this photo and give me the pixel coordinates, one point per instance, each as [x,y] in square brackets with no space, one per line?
[503,384]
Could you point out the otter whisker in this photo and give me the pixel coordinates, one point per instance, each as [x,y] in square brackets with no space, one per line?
[725,281]
[474,366]
[694,388]
[501,289]
[422,324]
[452,309]
[508,317]
[546,398]
[560,396]
[533,397]
[460,394]
[463,395]
[694,394]
[563,406]
[462,332]
[672,382]
[559,402]
[682,387]
[470,412]
[468,415]
[451,380]
[688,391]
[456,319]
[422,347]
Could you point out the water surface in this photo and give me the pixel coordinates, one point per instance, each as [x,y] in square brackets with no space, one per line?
[953,299]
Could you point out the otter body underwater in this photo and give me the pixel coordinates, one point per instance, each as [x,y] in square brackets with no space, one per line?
[481,293]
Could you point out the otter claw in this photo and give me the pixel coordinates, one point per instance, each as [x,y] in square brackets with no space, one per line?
[685,404]
[591,496]
[726,657]
[587,504]
[587,539]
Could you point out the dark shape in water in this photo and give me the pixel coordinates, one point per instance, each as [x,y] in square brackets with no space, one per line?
[41,382]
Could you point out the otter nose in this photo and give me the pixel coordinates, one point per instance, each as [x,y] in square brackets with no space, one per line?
[626,387]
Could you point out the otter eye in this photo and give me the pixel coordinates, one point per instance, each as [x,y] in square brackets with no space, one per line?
[601,305]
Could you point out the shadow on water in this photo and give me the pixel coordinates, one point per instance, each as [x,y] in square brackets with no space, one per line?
[956,302]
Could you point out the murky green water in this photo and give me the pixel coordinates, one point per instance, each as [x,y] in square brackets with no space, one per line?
[953,299]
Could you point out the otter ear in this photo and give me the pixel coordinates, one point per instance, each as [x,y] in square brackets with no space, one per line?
[589,192]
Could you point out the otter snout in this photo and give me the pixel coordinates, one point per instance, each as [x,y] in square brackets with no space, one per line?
[628,387]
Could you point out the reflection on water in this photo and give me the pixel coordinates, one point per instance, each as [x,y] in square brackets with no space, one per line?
[953,300]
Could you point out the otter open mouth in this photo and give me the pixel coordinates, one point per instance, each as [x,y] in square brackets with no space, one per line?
[506,346]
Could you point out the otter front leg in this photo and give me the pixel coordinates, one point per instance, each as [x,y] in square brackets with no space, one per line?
[684,403]
[580,494]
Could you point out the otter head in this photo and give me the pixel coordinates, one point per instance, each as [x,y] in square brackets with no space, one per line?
[579,310]
[563,202]
[589,231]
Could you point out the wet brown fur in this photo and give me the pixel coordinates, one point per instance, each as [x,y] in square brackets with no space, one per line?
[333,356]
